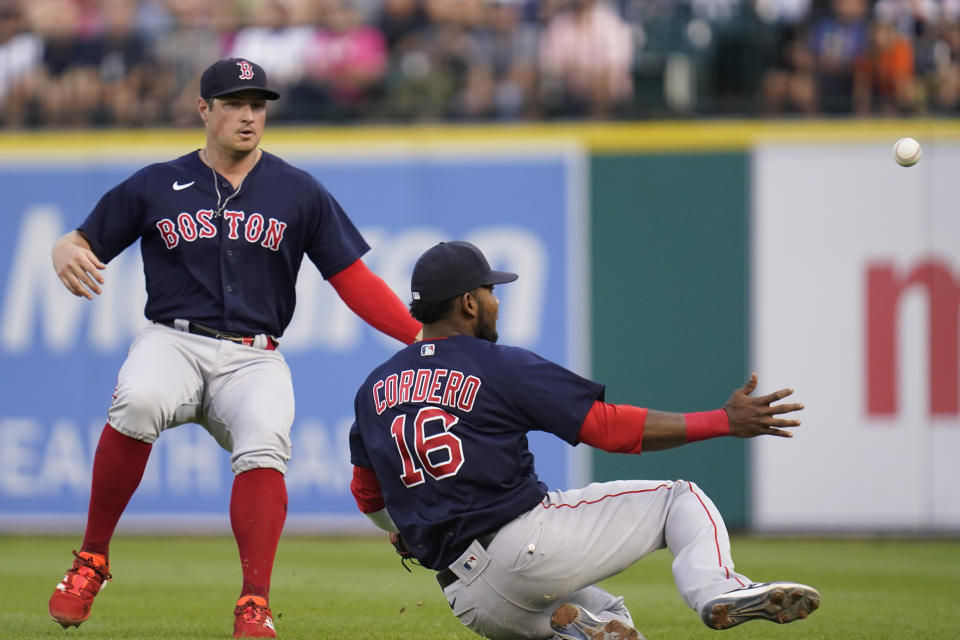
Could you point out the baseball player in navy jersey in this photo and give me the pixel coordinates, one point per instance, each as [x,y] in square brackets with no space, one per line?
[440,455]
[223,231]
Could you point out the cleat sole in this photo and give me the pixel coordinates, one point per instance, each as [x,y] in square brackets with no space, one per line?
[564,615]
[776,602]
[567,621]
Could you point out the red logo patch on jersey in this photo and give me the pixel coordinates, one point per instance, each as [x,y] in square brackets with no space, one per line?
[427,350]
[246,70]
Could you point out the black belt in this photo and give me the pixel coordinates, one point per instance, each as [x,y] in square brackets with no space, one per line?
[201,330]
[447,577]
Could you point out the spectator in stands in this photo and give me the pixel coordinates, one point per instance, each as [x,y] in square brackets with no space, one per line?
[20,55]
[344,67]
[501,79]
[188,38]
[586,60]
[884,74]
[401,21]
[153,20]
[131,89]
[912,18]
[787,82]
[197,36]
[944,77]
[278,43]
[68,83]
[411,77]
[919,21]
[837,40]
[427,67]
[791,85]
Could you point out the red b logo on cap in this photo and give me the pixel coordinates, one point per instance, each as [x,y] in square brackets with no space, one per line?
[246,70]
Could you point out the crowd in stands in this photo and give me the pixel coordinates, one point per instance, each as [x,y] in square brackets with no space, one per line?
[131,63]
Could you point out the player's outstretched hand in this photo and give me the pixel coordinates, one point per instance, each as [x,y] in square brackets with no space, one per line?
[757,415]
[77,266]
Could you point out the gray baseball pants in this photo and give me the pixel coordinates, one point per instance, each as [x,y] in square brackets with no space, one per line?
[558,550]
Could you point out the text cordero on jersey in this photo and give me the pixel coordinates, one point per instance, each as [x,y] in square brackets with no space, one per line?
[443,387]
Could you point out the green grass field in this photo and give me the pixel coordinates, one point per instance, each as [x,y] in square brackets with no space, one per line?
[355,588]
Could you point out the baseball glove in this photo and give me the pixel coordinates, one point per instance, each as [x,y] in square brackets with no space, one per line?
[402,550]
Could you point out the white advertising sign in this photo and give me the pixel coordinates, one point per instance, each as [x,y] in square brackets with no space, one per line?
[856,300]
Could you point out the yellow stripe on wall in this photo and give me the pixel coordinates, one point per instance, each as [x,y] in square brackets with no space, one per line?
[654,136]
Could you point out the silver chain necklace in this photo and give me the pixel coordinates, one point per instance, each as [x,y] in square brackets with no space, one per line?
[216,186]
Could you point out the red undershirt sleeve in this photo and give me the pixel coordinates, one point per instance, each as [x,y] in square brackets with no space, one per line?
[617,428]
[366,490]
[369,297]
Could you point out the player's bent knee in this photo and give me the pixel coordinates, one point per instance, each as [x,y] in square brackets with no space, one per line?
[139,414]
[687,485]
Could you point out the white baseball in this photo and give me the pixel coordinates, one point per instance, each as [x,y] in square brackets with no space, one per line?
[906,152]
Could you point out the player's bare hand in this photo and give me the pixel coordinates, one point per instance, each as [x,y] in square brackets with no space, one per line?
[759,415]
[77,266]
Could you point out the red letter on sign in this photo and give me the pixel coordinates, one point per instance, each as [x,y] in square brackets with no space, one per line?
[884,290]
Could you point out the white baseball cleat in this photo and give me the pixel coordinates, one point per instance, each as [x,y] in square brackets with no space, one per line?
[774,601]
[572,622]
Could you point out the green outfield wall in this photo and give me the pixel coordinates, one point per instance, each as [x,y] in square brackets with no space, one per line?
[669,302]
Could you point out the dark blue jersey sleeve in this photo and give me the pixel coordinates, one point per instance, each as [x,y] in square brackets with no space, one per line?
[116,221]
[336,243]
[544,395]
[358,452]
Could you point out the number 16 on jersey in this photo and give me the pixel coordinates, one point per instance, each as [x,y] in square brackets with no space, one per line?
[419,460]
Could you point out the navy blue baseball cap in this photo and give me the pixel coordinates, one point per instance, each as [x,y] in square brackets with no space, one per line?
[234,74]
[451,268]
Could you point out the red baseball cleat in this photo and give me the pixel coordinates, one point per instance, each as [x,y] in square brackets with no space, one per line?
[71,601]
[253,618]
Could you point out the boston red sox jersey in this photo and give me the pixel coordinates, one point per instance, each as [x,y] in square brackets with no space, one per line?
[444,426]
[221,257]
